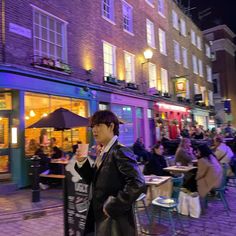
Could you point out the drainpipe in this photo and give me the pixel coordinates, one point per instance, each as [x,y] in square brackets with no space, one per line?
[3,34]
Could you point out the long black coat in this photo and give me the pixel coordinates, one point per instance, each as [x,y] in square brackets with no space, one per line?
[116,184]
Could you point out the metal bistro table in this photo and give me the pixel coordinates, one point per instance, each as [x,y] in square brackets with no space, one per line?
[180,169]
[157,186]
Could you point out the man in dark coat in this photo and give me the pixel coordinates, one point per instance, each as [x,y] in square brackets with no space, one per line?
[115,180]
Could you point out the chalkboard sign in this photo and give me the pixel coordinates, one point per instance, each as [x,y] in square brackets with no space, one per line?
[76,199]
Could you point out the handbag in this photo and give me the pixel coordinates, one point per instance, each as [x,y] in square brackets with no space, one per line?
[183,204]
[194,205]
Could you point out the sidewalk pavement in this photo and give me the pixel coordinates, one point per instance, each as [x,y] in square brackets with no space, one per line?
[20,217]
[16,205]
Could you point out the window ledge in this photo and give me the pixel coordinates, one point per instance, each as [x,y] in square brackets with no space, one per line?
[128,32]
[109,20]
[51,70]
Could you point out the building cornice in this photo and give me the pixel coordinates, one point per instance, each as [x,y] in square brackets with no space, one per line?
[220,27]
[224,45]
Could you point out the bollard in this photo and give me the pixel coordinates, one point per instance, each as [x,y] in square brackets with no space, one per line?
[35,181]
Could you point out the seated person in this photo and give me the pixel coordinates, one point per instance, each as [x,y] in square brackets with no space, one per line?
[209,173]
[44,167]
[54,167]
[156,162]
[184,153]
[32,147]
[140,151]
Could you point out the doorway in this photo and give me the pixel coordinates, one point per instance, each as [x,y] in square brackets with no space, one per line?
[4,146]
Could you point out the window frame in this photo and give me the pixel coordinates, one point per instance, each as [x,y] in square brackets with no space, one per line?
[164,80]
[177,53]
[185,57]
[150,35]
[161,8]
[152,78]
[111,12]
[113,64]
[175,20]
[129,11]
[63,44]
[132,70]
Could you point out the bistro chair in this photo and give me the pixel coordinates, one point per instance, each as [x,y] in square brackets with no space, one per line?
[169,205]
[221,190]
[140,204]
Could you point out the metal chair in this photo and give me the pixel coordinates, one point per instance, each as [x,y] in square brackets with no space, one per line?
[168,205]
[221,190]
[141,204]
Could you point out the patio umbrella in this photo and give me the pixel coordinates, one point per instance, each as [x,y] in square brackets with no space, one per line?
[61,119]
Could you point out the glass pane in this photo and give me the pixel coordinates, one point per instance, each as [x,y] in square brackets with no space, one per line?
[59,53]
[36,17]
[44,46]
[5,101]
[51,49]
[44,33]
[59,27]
[4,164]
[52,24]
[52,37]
[4,132]
[59,40]
[36,30]
[44,21]
[36,45]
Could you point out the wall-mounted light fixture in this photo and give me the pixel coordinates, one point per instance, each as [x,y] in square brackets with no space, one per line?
[32,113]
[147,55]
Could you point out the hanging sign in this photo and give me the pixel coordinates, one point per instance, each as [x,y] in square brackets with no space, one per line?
[180,85]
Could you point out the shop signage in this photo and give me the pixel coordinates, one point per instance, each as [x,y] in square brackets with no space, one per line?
[14,28]
[198,97]
[76,199]
[171,107]
[180,85]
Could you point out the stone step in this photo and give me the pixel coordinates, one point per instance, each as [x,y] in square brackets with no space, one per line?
[7,187]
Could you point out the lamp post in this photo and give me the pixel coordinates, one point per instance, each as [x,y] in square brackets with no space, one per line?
[147,55]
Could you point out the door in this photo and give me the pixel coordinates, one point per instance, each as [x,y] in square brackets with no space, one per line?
[4,146]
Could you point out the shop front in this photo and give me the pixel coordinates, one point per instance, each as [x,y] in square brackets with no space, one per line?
[26,98]
[201,117]
[170,119]
[136,117]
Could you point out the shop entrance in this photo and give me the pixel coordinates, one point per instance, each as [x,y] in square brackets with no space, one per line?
[4,145]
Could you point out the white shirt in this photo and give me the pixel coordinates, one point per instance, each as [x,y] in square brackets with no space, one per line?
[224,153]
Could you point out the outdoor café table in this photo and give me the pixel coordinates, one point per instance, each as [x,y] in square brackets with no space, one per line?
[180,169]
[157,186]
[61,161]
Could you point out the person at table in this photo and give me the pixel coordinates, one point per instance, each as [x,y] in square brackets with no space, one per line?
[156,162]
[56,168]
[184,153]
[115,178]
[223,152]
[209,172]
[140,151]
[32,147]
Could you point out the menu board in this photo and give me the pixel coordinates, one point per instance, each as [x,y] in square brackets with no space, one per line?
[76,201]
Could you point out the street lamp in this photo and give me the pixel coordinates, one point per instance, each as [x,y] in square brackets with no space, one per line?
[147,55]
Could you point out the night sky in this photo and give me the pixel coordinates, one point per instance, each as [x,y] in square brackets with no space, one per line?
[220,12]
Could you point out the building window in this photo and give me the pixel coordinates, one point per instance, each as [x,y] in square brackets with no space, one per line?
[203,91]
[176,52]
[175,20]
[162,41]
[194,61]
[152,71]
[193,37]
[196,89]
[210,98]
[200,68]
[150,33]
[129,68]
[127,17]
[187,89]
[209,73]
[49,36]
[164,81]
[103,106]
[215,86]
[208,50]
[185,57]
[161,7]
[199,44]
[183,27]
[109,52]
[108,9]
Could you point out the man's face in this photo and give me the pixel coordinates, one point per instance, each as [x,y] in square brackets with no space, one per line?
[103,133]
